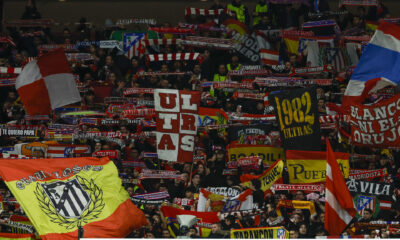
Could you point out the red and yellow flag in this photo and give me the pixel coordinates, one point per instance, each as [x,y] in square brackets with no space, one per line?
[16,236]
[59,195]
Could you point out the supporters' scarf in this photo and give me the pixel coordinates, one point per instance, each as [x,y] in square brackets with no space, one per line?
[299,187]
[83,136]
[172,57]
[29,23]
[134,113]
[6,39]
[133,164]
[159,174]
[163,73]
[252,117]
[205,27]
[104,134]
[10,70]
[205,12]
[148,155]
[295,204]
[148,21]
[160,41]
[76,57]
[244,73]
[172,30]
[6,82]
[359,2]
[359,174]
[326,14]
[334,118]
[253,96]
[15,156]
[26,227]
[152,196]
[131,91]
[290,82]
[296,33]
[183,201]
[106,153]
[144,201]
[288,1]
[365,38]
[246,163]
[221,85]
[208,42]
[309,70]
[49,47]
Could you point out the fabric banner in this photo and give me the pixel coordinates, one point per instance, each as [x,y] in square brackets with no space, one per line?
[248,134]
[209,201]
[192,56]
[208,42]
[362,202]
[244,43]
[106,153]
[204,219]
[383,191]
[137,201]
[177,121]
[297,114]
[212,116]
[359,2]
[229,192]
[268,154]
[299,187]
[376,125]
[359,174]
[246,163]
[267,178]
[204,12]
[295,204]
[260,233]
[159,174]
[59,195]
[310,166]
[152,196]
[18,132]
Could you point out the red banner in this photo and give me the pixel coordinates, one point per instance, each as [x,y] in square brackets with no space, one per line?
[376,125]
[106,153]
[177,121]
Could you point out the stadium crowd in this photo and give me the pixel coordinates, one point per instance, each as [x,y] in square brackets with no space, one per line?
[104,76]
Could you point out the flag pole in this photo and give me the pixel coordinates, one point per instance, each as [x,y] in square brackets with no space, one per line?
[80,231]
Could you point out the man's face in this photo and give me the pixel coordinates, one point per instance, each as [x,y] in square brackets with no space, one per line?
[293,234]
[108,60]
[165,234]
[214,228]
[367,215]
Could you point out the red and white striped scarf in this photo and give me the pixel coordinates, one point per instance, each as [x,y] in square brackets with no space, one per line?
[205,12]
[159,174]
[160,41]
[219,43]
[134,113]
[173,57]
[131,91]
[172,30]
[10,70]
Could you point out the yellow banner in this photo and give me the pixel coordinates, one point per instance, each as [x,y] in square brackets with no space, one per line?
[311,170]
[268,177]
[260,233]
[295,204]
[268,154]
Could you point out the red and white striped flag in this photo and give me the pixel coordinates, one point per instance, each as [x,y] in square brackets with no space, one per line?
[65,150]
[47,83]
[339,206]
[173,57]
[269,57]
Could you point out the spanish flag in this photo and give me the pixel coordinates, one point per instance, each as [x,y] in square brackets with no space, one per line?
[60,195]
[16,236]
[292,44]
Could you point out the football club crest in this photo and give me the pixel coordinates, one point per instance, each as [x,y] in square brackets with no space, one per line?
[366,202]
[70,203]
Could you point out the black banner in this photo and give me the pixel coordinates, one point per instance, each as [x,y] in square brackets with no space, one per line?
[297,114]
[249,134]
[383,191]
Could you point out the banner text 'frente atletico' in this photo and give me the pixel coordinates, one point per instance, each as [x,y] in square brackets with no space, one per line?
[297,114]
[377,125]
[177,121]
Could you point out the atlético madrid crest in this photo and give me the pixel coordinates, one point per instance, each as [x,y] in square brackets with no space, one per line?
[70,203]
